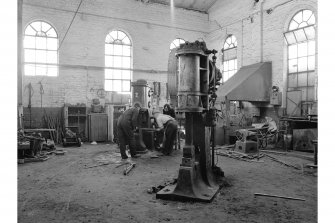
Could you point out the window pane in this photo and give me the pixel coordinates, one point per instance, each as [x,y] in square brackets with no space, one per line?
[311,78]
[52,44]
[126,74]
[292,51]
[302,64]
[311,47]
[298,17]
[290,38]
[292,80]
[302,49]
[52,71]
[29,42]
[126,62]
[121,35]
[302,79]
[108,73]
[51,56]
[29,31]
[235,67]
[225,66]
[310,94]
[117,85]
[126,51]
[311,63]
[126,41]
[109,61]
[306,14]
[36,26]
[108,39]
[300,35]
[113,35]
[310,32]
[29,55]
[29,69]
[41,69]
[117,61]
[108,85]
[117,74]
[311,21]
[45,26]
[293,25]
[108,49]
[303,93]
[292,65]
[125,85]
[41,43]
[231,65]
[117,50]
[41,56]
[52,33]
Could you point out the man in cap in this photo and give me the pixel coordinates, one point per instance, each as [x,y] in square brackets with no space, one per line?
[169,125]
[126,124]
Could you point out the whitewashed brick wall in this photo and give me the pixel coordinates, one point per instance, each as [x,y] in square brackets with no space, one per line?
[242,19]
[149,26]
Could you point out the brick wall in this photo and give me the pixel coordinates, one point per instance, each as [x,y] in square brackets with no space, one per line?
[243,19]
[81,56]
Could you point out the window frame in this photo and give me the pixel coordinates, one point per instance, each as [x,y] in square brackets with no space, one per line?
[301,80]
[33,62]
[232,47]
[119,71]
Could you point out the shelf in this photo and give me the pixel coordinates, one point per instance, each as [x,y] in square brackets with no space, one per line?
[79,115]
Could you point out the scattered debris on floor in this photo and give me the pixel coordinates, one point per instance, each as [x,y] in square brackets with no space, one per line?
[281,162]
[278,196]
[241,156]
[157,188]
[129,168]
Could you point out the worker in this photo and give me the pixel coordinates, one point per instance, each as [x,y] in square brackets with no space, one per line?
[126,125]
[167,110]
[169,126]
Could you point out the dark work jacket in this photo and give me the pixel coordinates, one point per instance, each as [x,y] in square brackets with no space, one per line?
[170,112]
[129,117]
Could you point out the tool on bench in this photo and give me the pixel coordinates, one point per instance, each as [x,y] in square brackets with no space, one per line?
[129,168]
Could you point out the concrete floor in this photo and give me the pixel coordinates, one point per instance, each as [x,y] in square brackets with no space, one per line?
[63,189]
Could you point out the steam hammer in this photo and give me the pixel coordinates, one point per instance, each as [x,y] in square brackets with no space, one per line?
[195,94]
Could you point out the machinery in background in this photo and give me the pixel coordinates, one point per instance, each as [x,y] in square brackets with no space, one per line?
[144,137]
[197,82]
[71,138]
[140,92]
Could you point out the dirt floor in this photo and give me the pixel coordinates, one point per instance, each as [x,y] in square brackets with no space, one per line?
[68,189]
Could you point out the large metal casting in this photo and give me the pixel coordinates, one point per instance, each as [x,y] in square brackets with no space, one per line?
[195,94]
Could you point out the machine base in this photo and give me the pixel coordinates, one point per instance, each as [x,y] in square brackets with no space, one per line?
[190,186]
[168,193]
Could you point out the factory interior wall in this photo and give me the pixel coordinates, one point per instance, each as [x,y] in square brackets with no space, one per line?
[150,27]
[243,19]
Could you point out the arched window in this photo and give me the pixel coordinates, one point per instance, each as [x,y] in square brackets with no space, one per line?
[118,63]
[40,46]
[229,57]
[300,40]
[176,43]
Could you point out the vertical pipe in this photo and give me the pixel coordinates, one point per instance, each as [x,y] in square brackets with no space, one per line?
[261,30]
[19,52]
[19,65]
